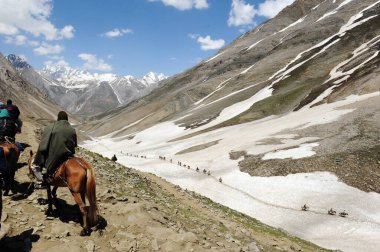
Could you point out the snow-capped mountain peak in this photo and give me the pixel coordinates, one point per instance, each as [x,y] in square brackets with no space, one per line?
[91,88]
[152,78]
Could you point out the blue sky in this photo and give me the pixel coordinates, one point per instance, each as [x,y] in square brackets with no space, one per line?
[126,36]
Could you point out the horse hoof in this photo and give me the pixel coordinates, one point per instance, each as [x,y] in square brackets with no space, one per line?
[42,201]
[49,213]
[85,232]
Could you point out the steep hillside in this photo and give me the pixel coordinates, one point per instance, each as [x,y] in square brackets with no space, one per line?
[285,115]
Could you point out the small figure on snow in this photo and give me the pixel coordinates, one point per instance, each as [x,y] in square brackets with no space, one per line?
[331,212]
[305,208]
[114,158]
[343,214]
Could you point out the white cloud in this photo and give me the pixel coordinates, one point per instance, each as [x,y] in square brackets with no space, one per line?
[46,49]
[67,32]
[31,16]
[185,4]
[7,29]
[34,43]
[58,63]
[207,43]
[93,63]
[117,33]
[16,40]
[271,8]
[241,13]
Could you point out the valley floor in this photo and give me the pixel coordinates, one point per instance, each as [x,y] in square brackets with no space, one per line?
[140,211]
[275,200]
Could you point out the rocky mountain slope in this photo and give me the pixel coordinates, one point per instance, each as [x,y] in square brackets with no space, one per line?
[30,100]
[310,48]
[285,115]
[83,93]
[140,212]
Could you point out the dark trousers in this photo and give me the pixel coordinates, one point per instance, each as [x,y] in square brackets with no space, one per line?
[40,160]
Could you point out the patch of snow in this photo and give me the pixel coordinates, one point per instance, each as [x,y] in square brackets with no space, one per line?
[239,107]
[114,133]
[335,10]
[304,150]
[219,87]
[352,23]
[254,44]
[293,24]
[336,72]
[246,70]
[216,56]
[340,76]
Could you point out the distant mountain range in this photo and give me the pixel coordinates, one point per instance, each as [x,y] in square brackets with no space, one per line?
[83,93]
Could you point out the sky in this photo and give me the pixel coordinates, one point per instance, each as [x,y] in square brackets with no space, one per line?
[126,37]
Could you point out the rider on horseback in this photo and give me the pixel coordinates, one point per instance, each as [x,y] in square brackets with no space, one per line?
[8,128]
[14,114]
[57,144]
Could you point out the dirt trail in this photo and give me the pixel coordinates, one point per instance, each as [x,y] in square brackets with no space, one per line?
[140,212]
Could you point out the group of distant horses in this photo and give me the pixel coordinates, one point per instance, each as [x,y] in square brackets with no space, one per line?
[163,158]
[329,212]
[75,173]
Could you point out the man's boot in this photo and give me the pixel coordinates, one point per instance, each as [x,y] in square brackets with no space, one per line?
[37,172]
[41,184]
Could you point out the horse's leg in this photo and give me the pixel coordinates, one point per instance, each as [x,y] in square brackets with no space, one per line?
[1,200]
[12,181]
[50,202]
[83,196]
[78,199]
[54,194]
[7,182]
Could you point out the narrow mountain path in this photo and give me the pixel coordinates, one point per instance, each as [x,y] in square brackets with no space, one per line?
[140,212]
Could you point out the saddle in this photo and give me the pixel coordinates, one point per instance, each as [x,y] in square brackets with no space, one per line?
[7,140]
[59,170]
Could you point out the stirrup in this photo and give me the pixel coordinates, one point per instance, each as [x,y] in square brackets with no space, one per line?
[40,186]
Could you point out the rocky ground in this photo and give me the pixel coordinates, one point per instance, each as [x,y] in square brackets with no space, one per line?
[140,212]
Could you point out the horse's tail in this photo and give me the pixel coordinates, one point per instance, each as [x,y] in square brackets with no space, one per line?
[91,195]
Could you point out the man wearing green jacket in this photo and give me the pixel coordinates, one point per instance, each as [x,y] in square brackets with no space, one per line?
[57,144]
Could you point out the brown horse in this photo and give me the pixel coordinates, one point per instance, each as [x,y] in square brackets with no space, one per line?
[11,154]
[78,176]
